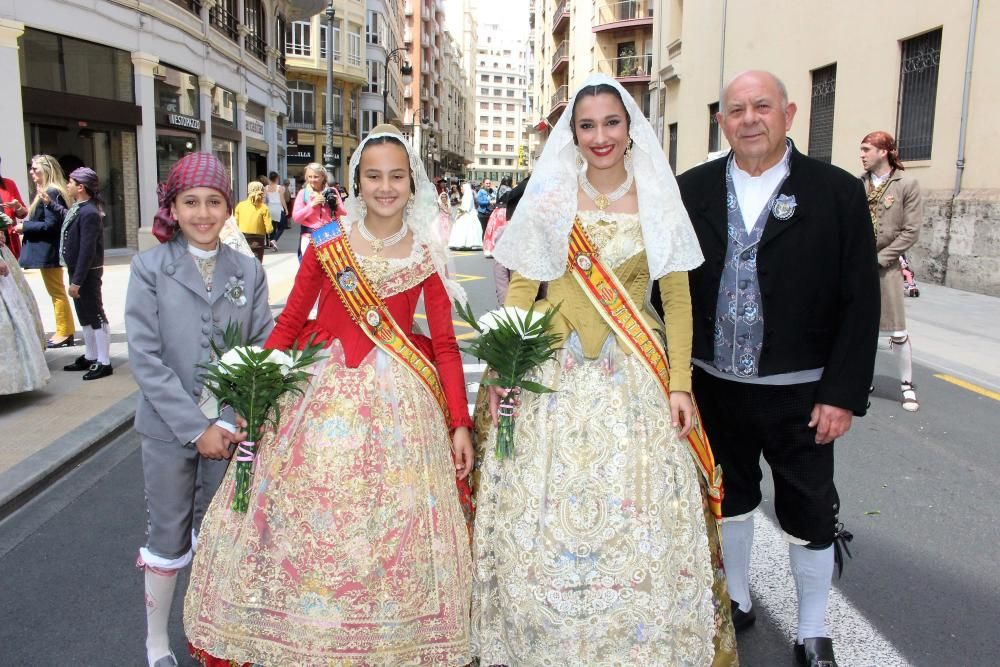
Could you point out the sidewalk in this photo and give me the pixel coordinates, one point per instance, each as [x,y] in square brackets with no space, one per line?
[48,429]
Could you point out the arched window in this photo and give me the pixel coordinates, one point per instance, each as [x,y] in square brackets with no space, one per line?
[255,19]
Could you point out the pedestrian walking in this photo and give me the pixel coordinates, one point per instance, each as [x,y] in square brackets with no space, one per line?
[254,219]
[82,253]
[276,199]
[785,325]
[354,550]
[181,296]
[485,201]
[897,212]
[40,236]
[596,524]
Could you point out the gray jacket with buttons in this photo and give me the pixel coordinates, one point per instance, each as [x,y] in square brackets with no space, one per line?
[169,320]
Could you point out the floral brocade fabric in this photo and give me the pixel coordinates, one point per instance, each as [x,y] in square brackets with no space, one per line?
[592,542]
[354,550]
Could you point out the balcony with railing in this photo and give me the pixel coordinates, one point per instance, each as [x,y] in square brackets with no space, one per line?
[193,6]
[224,21]
[625,15]
[628,69]
[560,59]
[558,102]
[560,19]
[256,46]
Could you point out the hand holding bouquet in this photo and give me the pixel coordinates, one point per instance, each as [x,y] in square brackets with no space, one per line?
[512,342]
[250,380]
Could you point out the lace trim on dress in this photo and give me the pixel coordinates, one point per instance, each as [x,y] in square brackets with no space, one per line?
[618,236]
[392,275]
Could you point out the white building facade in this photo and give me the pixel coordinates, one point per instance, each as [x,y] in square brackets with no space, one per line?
[501,108]
[128,90]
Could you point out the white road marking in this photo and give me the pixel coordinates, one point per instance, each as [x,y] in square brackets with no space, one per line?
[857,643]
[473,368]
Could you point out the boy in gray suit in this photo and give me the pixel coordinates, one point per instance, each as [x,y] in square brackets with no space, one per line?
[181,295]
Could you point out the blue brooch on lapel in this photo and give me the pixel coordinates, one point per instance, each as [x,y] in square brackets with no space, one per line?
[236,291]
[784,207]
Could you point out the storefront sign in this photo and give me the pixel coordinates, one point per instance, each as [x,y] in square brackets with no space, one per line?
[254,127]
[187,122]
[300,155]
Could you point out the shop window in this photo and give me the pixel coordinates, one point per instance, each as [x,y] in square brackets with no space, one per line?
[177,92]
[224,105]
[67,65]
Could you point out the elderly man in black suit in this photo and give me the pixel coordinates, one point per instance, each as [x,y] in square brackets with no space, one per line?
[786,313]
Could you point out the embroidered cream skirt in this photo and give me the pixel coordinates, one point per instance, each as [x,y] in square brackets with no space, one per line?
[354,550]
[591,544]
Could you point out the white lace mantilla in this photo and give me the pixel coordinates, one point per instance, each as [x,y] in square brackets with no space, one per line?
[535,242]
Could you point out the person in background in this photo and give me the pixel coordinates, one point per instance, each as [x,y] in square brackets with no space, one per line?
[485,201]
[253,219]
[40,235]
[505,187]
[181,296]
[13,206]
[277,205]
[507,204]
[897,211]
[316,205]
[82,253]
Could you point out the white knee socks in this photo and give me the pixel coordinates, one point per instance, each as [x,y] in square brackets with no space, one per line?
[159,597]
[89,343]
[903,352]
[737,540]
[813,573]
[102,339]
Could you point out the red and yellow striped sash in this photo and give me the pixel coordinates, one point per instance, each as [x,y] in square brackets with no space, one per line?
[369,311]
[618,310]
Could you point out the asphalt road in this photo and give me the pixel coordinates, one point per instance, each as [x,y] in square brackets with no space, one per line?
[916,491]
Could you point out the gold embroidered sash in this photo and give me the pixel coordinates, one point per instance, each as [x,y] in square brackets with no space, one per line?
[368,310]
[618,310]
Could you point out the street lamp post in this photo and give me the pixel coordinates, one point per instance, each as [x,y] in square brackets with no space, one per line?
[394,56]
[328,149]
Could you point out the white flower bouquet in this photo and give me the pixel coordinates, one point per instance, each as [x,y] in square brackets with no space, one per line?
[512,342]
[250,380]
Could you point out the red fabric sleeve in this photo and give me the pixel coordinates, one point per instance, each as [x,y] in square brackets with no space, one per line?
[447,357]
[308,282]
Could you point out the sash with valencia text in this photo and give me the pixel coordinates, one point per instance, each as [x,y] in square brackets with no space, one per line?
[369,311]
[619,311]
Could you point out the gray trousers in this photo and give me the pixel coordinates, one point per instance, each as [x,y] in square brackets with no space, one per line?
[179,485]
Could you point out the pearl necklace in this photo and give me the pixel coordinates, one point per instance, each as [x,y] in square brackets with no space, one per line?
[601,200]
[377,244]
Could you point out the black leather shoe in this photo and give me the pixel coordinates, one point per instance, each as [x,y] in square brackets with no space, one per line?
[742,619]
[69,341]
[98,371]
[81,363]
[815,652]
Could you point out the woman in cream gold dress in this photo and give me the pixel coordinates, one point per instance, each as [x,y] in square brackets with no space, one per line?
[594,543]
[354,550]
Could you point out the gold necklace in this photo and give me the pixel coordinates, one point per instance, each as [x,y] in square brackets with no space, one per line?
[601,200]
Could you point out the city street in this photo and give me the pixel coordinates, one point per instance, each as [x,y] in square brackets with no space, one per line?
[916,492]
